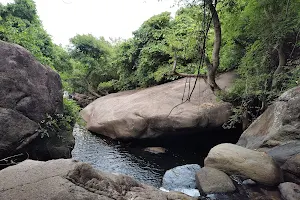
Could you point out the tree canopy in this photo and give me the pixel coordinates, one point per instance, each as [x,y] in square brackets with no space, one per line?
[260,40]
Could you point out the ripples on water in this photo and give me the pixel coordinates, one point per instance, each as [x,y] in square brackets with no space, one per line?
[111,156]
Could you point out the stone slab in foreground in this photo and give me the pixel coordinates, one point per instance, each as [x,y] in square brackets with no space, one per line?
[66,179]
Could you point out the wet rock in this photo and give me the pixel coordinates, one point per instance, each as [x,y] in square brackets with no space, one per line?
[210,180]
[156,150]
[289,191]
[249,182]
[233,159]
[181,177]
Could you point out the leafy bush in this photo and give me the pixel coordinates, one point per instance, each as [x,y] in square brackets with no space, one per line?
[57,123]
[108,86]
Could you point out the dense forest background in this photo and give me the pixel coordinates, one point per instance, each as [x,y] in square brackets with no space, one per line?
[260,41]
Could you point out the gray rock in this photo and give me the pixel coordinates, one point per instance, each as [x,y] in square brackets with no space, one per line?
[28,92]
[181,177]
[291,169]
[146,113]
[26,85]
[284,152]
[71,180]
[13,128]
[210,180]
[249,182]
[233,159]
[289,191]
[278,125]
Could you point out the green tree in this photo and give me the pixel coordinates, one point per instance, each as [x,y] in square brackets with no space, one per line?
[20,24]
[92,62]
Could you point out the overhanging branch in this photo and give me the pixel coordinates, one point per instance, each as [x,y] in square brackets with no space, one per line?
[174,72]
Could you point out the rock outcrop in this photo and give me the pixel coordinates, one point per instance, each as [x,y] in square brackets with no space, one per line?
[28,92]
[157,111]
[278,125]
[72,180]
[236,160]
[277,132]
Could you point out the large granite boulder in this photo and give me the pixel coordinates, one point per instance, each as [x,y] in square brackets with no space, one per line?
[72,180]
[278,125]
[28,92]
[236,160]
[157,111]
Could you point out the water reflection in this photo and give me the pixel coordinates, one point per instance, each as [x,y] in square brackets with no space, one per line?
[111,156]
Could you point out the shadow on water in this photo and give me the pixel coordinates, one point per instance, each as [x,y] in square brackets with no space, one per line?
[129,158]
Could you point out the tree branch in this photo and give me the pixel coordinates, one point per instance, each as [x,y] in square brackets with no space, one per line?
[184,74]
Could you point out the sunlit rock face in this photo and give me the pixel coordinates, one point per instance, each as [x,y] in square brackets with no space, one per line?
[159,111]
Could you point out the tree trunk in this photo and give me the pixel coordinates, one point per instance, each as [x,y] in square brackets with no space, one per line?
[282,62]
[212,68]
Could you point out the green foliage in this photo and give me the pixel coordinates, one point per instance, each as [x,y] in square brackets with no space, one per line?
[108,86]
[20,24]
[59,123]
[253,31]
[91,60]
[146,59]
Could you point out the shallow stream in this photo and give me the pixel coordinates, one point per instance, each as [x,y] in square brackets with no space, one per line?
[130,159]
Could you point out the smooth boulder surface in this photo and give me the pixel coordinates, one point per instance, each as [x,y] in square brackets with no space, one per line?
[158,110]
[28,92]
[72,180]
[289,191]
[236,160]
[210,180]
[278,125]
[181,177]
